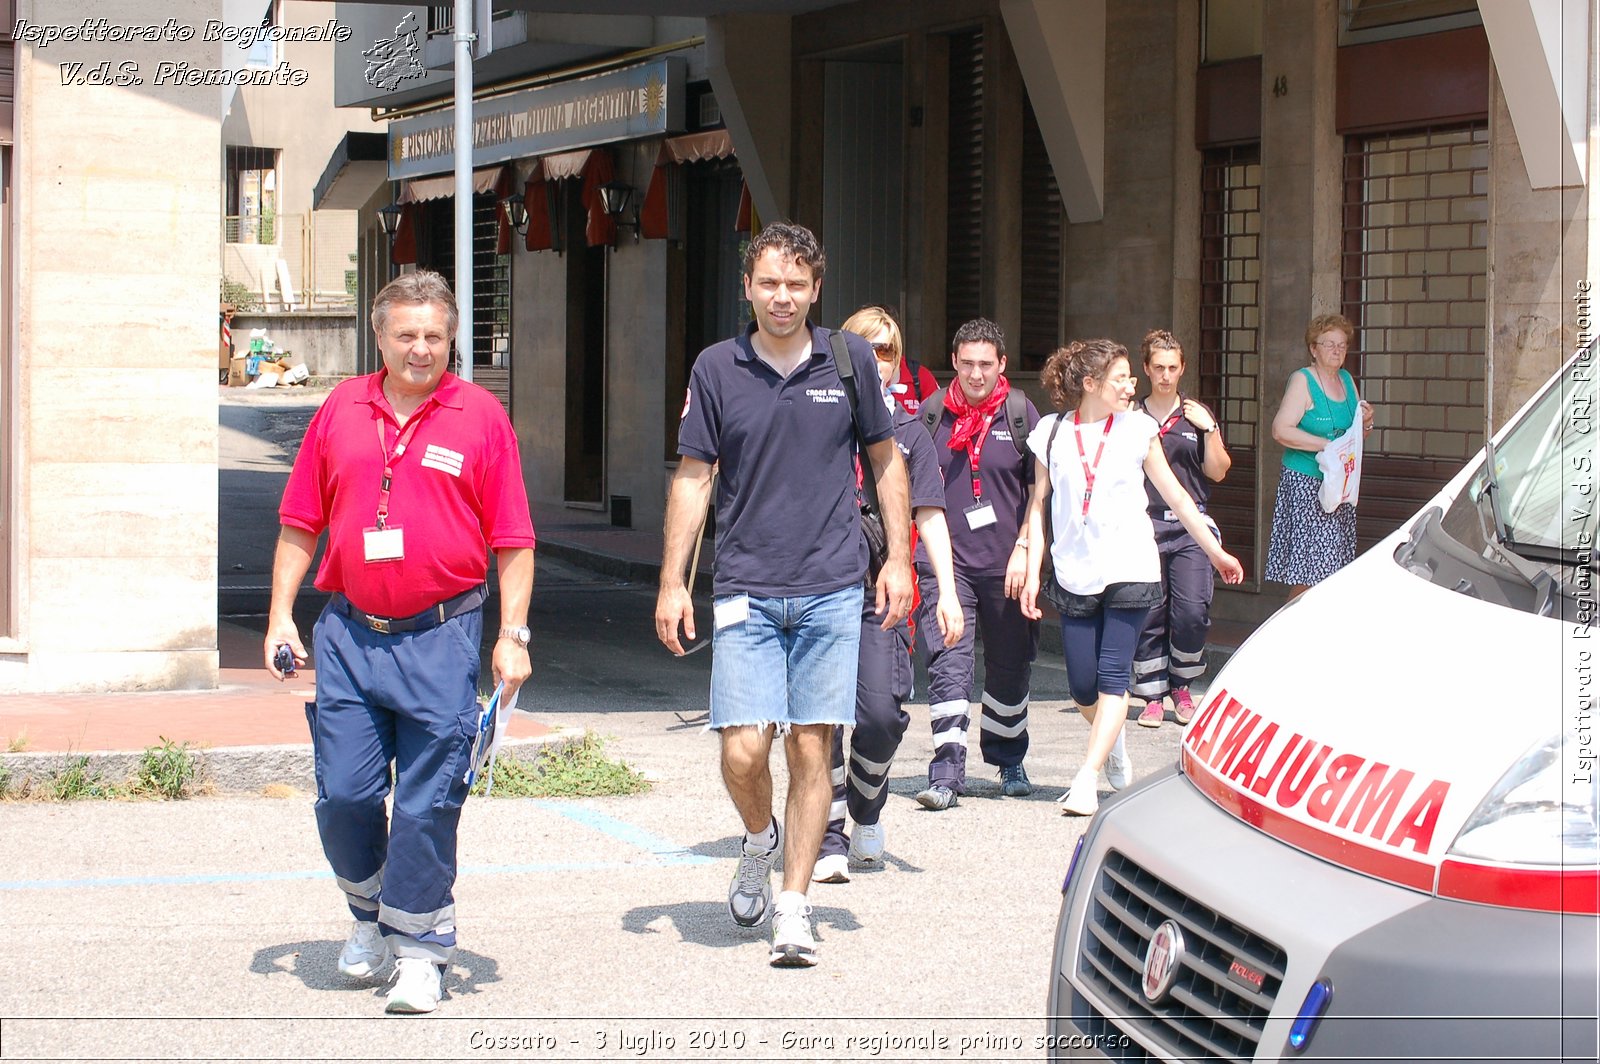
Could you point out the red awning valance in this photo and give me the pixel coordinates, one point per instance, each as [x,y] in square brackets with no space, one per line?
[690,148]
[594,166]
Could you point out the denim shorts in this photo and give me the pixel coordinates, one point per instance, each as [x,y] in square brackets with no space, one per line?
[785,661]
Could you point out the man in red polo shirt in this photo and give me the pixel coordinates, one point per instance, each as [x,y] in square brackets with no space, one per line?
[415,475]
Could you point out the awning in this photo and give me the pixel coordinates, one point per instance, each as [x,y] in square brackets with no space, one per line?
[358,166]
[423,189]
[595,167]
[654,218]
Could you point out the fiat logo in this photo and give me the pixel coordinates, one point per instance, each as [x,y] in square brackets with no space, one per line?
[1161,961]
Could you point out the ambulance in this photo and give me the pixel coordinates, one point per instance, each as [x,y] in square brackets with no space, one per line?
[1381,840]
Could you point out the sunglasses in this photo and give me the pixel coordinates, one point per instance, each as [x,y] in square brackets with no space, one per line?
[884,351]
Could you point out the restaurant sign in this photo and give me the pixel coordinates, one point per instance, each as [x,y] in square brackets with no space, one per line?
[636,101]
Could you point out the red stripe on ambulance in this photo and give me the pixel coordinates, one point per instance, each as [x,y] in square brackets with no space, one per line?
[1304,778]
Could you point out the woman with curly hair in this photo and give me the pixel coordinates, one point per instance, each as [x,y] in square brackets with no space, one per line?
[1103,547]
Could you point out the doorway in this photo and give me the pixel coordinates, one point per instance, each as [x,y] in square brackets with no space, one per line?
[586,355]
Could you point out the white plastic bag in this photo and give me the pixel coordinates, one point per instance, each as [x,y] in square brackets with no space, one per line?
[1340,462]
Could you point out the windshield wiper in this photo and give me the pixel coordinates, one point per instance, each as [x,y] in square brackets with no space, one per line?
[1516,556]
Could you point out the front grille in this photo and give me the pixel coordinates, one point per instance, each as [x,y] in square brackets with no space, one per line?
[1206,1015]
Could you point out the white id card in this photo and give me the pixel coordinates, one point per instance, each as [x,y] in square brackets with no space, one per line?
[733,610]
[384,544]
[980,515]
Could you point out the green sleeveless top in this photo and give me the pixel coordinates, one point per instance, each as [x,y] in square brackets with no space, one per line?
[1325,418]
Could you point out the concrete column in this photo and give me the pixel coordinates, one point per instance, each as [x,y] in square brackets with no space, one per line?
[117,267]
[1538,249]
[1301,157]
[749,62]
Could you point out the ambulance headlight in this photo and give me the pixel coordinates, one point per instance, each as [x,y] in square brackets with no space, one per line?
[1544,811]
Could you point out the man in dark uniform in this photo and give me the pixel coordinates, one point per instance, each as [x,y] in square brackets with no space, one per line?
[986,480]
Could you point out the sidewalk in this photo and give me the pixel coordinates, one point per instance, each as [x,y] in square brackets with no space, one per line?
[253,728]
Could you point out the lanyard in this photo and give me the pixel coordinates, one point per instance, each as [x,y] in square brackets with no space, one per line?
[1172,418]
[975,454]
[1088,470]
[389,459]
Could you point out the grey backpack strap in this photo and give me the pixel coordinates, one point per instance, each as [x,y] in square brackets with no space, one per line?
[931,411]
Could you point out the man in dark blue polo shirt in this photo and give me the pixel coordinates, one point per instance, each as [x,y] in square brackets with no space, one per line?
[769,410]
[986,482]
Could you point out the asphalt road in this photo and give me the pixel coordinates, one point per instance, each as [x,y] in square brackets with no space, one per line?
[590,929]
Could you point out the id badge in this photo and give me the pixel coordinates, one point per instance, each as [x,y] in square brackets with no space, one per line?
[732,610]
[384,544]
[980,515]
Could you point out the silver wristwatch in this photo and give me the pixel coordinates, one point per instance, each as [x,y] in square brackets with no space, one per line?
[522,635]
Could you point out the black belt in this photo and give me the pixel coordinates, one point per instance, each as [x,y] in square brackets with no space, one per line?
[432,617]
[1158,514]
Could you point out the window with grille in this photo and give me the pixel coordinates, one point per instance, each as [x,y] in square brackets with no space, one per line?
[1229,355]
[1041,249]
[491,284]
[964,193]
[1415,270]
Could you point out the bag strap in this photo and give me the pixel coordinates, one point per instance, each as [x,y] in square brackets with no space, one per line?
[1017,416]
[915,369]
[847,377]
[931,411]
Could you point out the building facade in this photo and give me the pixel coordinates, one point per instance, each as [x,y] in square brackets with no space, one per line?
[1226,169]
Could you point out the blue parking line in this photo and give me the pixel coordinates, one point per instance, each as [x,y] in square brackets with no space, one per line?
[664,852]
[621,830]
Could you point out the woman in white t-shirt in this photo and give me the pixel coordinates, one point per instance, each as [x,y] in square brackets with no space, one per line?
[1107,570]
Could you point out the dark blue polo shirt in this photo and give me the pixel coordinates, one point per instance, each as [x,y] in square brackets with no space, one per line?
[922,461]
[1186,454]
[1007,479]
[787,519]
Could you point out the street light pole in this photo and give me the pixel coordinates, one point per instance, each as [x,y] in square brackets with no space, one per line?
[463,37]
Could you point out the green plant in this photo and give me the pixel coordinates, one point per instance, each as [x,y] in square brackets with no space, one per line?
[5,783]
[78,781]
[573,770]
[170,770]
[240,296]
[269,226]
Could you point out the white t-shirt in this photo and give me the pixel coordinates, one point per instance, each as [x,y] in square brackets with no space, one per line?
[1115,543]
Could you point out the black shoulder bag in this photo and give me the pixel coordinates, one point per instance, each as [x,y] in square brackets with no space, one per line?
[871,512]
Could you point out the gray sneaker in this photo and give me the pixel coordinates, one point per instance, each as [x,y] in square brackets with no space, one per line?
[937,797]
[1014,782]
[750,893]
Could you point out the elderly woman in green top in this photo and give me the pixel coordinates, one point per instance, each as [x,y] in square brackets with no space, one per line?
[1319,404]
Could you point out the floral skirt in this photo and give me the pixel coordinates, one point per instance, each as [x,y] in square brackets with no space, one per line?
[1308,543]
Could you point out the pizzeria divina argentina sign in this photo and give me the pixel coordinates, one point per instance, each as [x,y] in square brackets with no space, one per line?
[636,101]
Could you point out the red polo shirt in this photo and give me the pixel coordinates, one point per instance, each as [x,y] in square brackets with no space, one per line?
[456,493]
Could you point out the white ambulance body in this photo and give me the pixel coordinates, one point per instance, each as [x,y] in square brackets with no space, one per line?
[1381,841]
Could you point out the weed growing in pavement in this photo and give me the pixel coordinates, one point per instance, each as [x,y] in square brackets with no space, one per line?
[575,770]
[5,783]
[17,743]
[76,782]
[171,770]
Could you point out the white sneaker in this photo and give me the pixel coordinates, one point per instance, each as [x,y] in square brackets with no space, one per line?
[831,868]
[866,843]
[1119,767]
[416,985]
[364,951]
[1082,799]
[793,943]
[750,892]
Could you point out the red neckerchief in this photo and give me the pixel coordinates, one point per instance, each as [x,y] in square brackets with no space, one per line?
[972,424]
